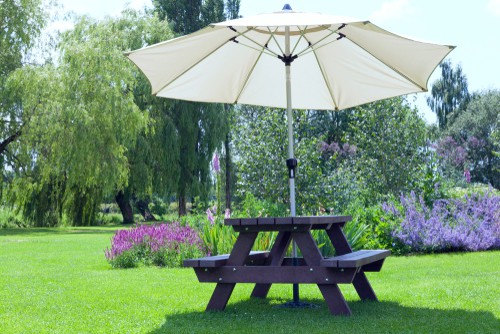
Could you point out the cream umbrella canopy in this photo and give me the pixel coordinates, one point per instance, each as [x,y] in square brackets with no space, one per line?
[289,59]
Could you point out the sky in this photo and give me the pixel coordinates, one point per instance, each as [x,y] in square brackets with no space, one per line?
[473,26]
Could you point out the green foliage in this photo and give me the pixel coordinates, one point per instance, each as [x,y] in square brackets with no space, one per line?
[252,207]
[199,127]
[474,129]
[218,238]
[390,137]
[9,218]
[362,154]
[83,118]
[21,22]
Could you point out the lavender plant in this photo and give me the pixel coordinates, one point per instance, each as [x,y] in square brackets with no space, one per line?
[471,223]
[161,244]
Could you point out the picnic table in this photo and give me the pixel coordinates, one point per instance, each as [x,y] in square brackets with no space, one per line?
[265,268]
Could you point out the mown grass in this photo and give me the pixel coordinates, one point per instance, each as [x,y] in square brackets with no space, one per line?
[58,281]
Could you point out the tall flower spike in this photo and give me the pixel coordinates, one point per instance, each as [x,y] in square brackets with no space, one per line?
[216,163]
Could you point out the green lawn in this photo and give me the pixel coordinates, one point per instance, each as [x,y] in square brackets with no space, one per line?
[58,281]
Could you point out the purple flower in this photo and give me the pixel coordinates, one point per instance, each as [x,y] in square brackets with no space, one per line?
[471,223]
[334,147]
[216,163]
[323,147]
[467,175]
[227,214]
[152,238]
[210,217]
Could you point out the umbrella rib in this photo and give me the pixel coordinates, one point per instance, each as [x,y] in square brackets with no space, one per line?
[324,76]
[193,65]
[275,40]
[251,71]
[271,52]
[298,40]
[310,48]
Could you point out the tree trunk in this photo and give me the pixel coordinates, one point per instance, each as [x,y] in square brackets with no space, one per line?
[8,140]
[143,207]
[182,205]
[123,202]
[228,172]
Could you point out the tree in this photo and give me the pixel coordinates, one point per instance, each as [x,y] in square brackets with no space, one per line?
[471,139]
[391,139]
[449,94]
[200,127]
[86,119]
[360,154]
[20,25]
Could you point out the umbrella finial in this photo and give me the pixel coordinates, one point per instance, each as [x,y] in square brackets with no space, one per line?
[287,7]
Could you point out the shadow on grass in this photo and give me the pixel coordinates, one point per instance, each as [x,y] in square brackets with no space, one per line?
[265,316]
[45,231]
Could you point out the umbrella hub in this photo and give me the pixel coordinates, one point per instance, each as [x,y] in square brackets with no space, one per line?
[287,7]
[288,59]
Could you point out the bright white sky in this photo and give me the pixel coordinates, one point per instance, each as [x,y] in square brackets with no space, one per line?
[471,25]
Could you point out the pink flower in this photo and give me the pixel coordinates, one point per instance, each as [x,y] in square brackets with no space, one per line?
[216,163]
[210,217]
[467,175]
[227,214]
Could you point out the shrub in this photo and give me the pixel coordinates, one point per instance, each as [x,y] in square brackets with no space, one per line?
[160,244]
[471,223]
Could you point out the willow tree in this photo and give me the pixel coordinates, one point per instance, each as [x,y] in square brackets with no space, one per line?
[200,127]
[20,26]
[87,119]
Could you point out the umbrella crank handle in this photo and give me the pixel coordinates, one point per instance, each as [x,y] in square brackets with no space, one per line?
[291,164]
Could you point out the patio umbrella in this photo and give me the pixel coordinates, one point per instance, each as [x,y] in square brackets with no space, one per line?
[289,59]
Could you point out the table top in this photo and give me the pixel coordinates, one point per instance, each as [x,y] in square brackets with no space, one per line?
[312,221]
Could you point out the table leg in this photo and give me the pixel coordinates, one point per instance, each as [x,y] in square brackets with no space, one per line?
[331,293]
[276,255]
[363,287]
[240,251]
[334,299]
[360,282]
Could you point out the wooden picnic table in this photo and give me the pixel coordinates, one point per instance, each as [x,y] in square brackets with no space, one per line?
[265,268]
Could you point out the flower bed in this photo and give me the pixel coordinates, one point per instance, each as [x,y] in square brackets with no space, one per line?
[164,244]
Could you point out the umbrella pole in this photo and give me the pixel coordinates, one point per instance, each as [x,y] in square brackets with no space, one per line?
[291,162]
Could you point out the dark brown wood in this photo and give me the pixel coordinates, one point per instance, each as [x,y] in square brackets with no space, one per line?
[308,248]
[249,221]
[270,228]
[275,258]
[373,267]
[363,287]
[289,261]
[223,291]
[232,221]
[255,257]
[355,259]
[334,299]
[220,296]
[339,240]
[305,220]
[275,274]
[265,221]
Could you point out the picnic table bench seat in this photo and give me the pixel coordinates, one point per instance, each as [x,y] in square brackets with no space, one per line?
[369,260]
[254,258]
